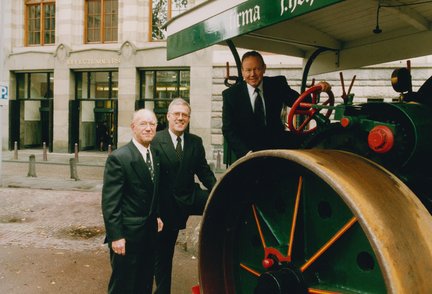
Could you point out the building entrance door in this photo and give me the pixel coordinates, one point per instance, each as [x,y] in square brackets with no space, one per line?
[96,124]
[31,112]
[106,125]
[31,123]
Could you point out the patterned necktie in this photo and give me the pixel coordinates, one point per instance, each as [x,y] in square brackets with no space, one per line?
[178,149]
[149,164]
[259,109]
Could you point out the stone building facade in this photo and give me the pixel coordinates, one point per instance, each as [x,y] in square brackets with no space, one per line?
[62,91]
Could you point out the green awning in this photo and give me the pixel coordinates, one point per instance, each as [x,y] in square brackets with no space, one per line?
[244,18]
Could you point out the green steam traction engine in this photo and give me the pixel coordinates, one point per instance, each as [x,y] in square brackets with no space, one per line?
[349,212]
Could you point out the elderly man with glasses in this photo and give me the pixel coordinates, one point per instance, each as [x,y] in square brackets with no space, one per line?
[182,157]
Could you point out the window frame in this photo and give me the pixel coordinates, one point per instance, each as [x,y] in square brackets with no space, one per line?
[42,31]
[161,111]
[26,83]
[102,28]
[88,75]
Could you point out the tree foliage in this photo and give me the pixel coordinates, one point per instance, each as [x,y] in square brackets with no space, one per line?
[160,15]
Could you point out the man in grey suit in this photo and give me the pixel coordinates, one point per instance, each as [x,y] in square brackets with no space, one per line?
[130,208]
[182,157]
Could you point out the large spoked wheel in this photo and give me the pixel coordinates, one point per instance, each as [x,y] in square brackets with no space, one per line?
[313,221]
[310,111]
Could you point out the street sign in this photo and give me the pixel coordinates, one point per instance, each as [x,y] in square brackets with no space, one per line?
[4,94]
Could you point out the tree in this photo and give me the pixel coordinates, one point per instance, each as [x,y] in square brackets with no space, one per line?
[160,15]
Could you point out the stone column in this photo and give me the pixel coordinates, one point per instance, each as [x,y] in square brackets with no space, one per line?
[128,92]
[63,92]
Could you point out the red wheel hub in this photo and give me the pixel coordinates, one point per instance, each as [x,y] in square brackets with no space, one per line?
[381,139]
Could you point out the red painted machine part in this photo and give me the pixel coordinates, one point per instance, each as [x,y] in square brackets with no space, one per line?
[345,122]
[267,263]
[381,139]
[196,289]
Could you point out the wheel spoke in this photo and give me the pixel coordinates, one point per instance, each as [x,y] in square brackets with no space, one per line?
[307,120]
[250,270]
[326,246]
[319,291]
[294,219]
[259,226]
[306,105]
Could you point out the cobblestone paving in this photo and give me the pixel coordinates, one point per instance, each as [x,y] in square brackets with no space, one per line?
[51,228]
[38,218]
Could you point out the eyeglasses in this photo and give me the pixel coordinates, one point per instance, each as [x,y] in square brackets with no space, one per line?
[145,124]
[178,114]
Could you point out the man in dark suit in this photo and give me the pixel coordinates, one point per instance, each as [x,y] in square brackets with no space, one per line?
[251,112]
[182,157]
[130,208]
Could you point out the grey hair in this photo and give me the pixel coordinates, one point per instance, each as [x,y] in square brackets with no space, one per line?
[179,101]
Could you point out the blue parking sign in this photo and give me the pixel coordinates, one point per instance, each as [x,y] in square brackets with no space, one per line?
[4,92]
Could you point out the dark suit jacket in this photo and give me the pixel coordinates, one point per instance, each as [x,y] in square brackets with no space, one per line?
[239,127]
[177,190]
[129,197]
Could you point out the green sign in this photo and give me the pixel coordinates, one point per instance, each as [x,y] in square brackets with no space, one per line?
[244,18]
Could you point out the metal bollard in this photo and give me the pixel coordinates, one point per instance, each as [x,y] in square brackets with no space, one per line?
[45,157]
[218,160]
[15,150]
[32,166]
[76,152]
[109,149]
[73,169]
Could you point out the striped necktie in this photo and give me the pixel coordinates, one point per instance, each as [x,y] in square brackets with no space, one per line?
[178,149]
[149,164]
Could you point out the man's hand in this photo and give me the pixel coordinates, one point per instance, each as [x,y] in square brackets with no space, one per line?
[119,246]
[160,224]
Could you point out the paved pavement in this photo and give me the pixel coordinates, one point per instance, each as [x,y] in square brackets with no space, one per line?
[51,227]
[53,171]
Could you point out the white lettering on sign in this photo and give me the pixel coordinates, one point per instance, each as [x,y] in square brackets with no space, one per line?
[291,5]
[4,92]
[93,61]
[245,17]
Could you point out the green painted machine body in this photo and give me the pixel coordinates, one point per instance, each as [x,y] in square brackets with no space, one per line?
[408,158]
[344,213]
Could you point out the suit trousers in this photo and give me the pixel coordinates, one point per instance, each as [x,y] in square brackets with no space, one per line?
[165,245]
[131,273]
[201,198]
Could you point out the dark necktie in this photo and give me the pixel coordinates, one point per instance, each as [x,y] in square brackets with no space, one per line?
[259,109]
[149,164]
[178,149]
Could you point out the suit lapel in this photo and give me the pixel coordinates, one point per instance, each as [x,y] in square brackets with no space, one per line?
[156,165]
[188,147]
[138,164]
[156,169]
[245,102]
[168,147]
